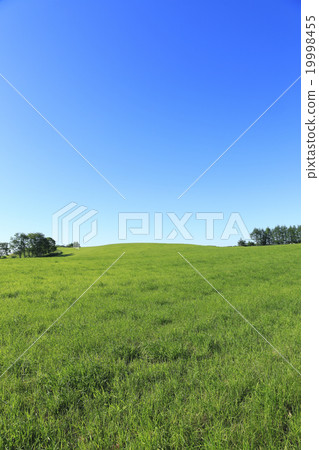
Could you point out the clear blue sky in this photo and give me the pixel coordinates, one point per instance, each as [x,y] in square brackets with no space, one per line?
[151,93]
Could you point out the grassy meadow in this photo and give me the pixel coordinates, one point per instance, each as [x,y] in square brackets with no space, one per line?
[151,356]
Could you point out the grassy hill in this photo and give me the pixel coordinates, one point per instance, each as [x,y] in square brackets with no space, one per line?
[151,356]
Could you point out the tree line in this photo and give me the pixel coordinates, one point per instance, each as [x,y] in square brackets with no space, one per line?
[28,245]
[274,236]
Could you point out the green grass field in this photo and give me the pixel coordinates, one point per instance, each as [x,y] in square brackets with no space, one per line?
[151,356]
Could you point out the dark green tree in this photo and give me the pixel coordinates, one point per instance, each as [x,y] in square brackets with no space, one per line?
[268,236]
[298,232]
[276,235]
[18,244]
[256,235]
[37,244]
[4,249]
[51,245]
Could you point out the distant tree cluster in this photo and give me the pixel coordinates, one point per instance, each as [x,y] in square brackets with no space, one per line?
[274,236]
[28,245]
[243,243]
[72,245]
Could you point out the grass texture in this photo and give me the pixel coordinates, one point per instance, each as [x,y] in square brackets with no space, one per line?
[151,357]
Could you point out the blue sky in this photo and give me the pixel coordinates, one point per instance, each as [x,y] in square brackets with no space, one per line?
[151,93]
